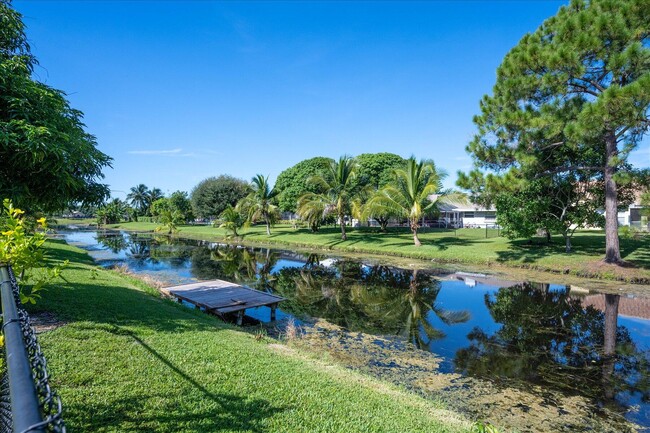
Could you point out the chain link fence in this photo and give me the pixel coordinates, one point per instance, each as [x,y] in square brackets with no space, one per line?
[27,402]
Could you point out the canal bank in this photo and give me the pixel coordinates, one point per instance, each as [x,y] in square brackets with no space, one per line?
[510,338]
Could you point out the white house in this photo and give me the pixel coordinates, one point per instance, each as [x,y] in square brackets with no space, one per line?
[463,213]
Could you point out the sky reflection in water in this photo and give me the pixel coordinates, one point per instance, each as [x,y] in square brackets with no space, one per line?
[529,332]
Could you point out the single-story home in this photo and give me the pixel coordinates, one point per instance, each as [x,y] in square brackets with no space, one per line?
[463,213]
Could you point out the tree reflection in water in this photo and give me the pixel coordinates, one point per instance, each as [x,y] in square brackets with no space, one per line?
[359,297]
[548,338]
[114,241]
[365,298]
[242,265]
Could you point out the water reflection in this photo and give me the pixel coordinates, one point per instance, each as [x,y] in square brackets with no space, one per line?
[549,338]
[526,333]
[366,298]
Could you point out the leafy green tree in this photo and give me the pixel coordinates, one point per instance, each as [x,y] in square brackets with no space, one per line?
[583,75]
[554,205]
[377,169]
[48,159]
[292,183]
[336,190]
[159,206]
[232,220]
[412,193]
[375,208]
[139,198]
[169,219]
[180,201]
[112,212]
[213,195]
[257,204]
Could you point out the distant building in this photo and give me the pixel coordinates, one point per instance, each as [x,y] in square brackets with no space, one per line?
[634,215]
[463,213]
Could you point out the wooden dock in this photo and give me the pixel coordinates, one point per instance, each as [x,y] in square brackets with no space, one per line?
[222,297]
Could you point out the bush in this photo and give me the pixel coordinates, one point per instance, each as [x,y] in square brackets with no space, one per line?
[24,252]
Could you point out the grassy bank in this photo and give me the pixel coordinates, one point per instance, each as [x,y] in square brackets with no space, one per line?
[126,360]
[467,246]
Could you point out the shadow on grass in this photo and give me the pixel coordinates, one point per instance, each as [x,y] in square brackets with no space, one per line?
[583,244]
[105,301]
[212,412]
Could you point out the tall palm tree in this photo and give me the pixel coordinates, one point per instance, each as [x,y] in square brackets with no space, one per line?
[153,195]
[412,193]
[139,198]
[337,191]
[258,203]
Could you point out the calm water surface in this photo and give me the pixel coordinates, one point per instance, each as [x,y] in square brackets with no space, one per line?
[590,344]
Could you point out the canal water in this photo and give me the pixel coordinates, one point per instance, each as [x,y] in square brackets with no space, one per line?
[564,338]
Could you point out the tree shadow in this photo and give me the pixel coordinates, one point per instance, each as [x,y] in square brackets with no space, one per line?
[119,305]
[212,412]
[527,251]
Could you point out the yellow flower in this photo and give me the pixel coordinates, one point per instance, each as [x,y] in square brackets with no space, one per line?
[41,221]
[7,233]
[19,211]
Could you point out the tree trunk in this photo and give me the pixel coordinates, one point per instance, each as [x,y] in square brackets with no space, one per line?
[567,242]
[612,249]
[342,222]
[268,225]
[416,240]
[609,344]
[548,236]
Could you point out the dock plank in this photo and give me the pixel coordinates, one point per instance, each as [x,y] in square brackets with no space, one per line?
[223,297]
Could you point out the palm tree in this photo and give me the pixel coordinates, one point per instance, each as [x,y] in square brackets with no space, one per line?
[258,203]
[169,220]
[153,195]
[412,193]
[139,198]
[231,220]
[337,190]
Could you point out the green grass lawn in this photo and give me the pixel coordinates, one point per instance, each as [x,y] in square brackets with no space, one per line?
[128,361]
[468,246]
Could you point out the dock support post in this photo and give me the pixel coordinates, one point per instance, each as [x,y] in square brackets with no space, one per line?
[273,308]
[240,317]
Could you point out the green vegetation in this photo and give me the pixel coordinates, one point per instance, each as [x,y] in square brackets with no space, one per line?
[213,195]
[409,194]
[23,250]
[336,190]
[292,183]
[257,204]
[141,363]
[466,246]
[570,102]
[48,159]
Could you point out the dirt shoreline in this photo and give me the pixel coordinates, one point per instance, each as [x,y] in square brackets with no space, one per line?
[529,409]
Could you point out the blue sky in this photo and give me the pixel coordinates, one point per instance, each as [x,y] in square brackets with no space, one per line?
[179,91]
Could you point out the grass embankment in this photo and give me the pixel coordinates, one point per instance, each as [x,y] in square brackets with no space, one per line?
[467,246]
[126,360]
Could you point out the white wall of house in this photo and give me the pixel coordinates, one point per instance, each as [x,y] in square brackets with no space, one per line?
[479,218]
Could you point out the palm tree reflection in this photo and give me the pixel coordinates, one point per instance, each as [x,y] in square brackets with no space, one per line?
[376,299]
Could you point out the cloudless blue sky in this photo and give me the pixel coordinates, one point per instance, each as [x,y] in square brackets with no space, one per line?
[179,91]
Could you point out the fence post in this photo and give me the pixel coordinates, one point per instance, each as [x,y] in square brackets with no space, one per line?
[25,408]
